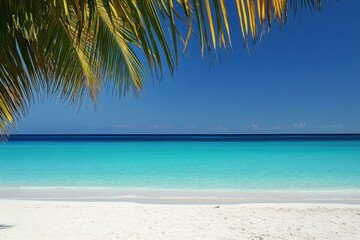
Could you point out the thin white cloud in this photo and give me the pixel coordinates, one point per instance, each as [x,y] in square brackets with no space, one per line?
[252,126]
[218,127]
[160,126]
[190,126]
[124,126]
[334,126]
[299,125]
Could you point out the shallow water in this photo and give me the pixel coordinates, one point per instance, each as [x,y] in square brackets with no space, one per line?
[190,163]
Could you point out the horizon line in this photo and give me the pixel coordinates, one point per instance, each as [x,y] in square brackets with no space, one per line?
[177,134]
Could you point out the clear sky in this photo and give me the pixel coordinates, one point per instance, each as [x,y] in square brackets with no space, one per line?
[302,79]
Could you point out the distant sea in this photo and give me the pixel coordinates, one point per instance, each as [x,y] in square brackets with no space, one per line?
[184,162]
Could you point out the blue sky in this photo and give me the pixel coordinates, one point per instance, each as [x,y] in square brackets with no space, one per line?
[304,78]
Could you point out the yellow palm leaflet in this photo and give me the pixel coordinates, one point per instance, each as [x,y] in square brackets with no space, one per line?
[268,12]
[240,18]
[5,109]
[223,9]
[66,7]
[223,40]
[252,17]
[261,11]
[242,4]
[113,10]
[188,36]
[211,23]
[186,3]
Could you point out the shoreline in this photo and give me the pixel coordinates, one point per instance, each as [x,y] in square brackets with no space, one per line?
[189,197]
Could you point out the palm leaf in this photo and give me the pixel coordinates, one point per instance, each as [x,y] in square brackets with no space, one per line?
[74,48]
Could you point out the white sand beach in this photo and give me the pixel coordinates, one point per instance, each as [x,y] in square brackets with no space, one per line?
[65,220]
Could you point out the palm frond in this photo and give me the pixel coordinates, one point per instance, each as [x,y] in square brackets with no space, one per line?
[74,48]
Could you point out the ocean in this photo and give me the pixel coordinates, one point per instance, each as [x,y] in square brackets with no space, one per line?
[183,162]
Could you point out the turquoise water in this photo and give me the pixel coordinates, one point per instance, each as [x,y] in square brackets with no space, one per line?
[185,164]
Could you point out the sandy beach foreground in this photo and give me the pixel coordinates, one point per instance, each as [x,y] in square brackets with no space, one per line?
[55,220]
